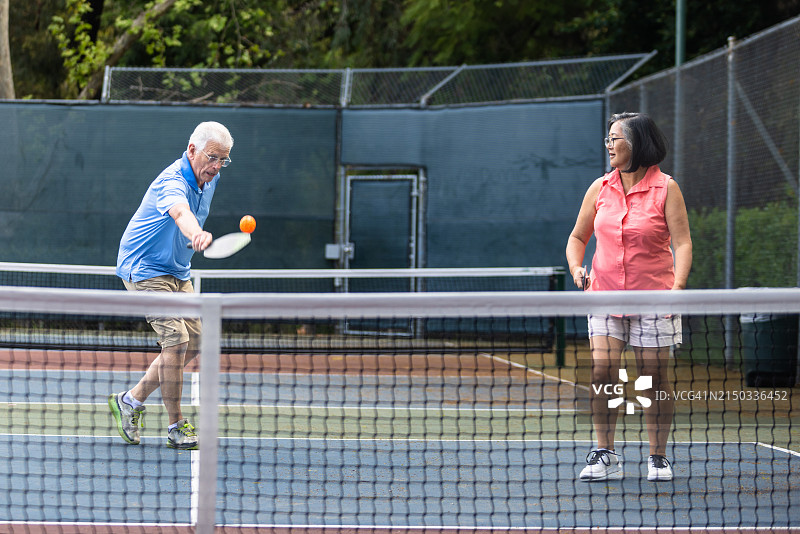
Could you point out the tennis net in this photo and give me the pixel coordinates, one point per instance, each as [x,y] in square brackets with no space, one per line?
[462,431]
[274,334]
[300,280]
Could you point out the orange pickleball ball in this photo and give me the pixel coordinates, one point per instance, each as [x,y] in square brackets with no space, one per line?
[247,224]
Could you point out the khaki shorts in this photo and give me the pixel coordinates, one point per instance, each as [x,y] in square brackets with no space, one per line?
[171,330]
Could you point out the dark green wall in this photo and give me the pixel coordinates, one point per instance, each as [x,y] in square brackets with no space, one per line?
[504,182]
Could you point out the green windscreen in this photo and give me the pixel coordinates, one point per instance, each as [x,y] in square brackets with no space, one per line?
[503,182]
[76,174]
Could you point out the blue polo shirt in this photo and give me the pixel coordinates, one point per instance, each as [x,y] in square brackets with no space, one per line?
[152,245]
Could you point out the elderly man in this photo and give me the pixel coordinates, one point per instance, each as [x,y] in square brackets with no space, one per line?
[155,255]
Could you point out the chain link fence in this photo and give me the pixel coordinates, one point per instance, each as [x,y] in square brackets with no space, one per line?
[732,116]
[435,86]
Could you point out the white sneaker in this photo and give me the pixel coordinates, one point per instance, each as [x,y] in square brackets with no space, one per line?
[602,464]
[658,468]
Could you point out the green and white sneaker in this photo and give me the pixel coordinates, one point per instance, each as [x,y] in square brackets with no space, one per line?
[182,437]
[127,417]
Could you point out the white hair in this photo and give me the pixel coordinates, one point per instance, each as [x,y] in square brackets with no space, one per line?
[211,131]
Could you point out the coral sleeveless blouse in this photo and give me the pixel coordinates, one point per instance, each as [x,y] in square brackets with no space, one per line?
[633,241]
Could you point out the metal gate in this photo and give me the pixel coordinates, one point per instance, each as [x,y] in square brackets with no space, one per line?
[379,225]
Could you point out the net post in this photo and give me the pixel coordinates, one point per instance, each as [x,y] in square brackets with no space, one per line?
[561,343]
[211,310]
[730,202]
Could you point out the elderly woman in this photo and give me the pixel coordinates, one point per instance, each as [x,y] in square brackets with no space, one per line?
[635,212]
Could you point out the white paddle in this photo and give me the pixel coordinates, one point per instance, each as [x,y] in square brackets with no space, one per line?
[225,246]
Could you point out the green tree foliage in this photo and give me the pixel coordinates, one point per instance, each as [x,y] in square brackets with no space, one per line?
[59,46]
[766,246]
[38,68]
[86,57]
[369,34]
[82,56]
[625,26]
[708,249]
[451,32]
[239,34]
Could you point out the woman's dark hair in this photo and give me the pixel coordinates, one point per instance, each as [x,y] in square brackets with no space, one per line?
[648,143]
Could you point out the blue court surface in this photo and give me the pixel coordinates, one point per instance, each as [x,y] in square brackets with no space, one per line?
[405,483]
[359,464]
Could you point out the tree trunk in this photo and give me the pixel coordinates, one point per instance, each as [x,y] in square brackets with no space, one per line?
[6,74]
[94,17]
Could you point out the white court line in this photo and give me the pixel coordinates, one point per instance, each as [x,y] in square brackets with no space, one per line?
[775,447]
[358,407]
[115,437]
[195,389]
[534,371]
[304,438]
[193,488]
[137,526]
[328,408]
[431,408]
[195,375]
[328,527]
[194,485]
